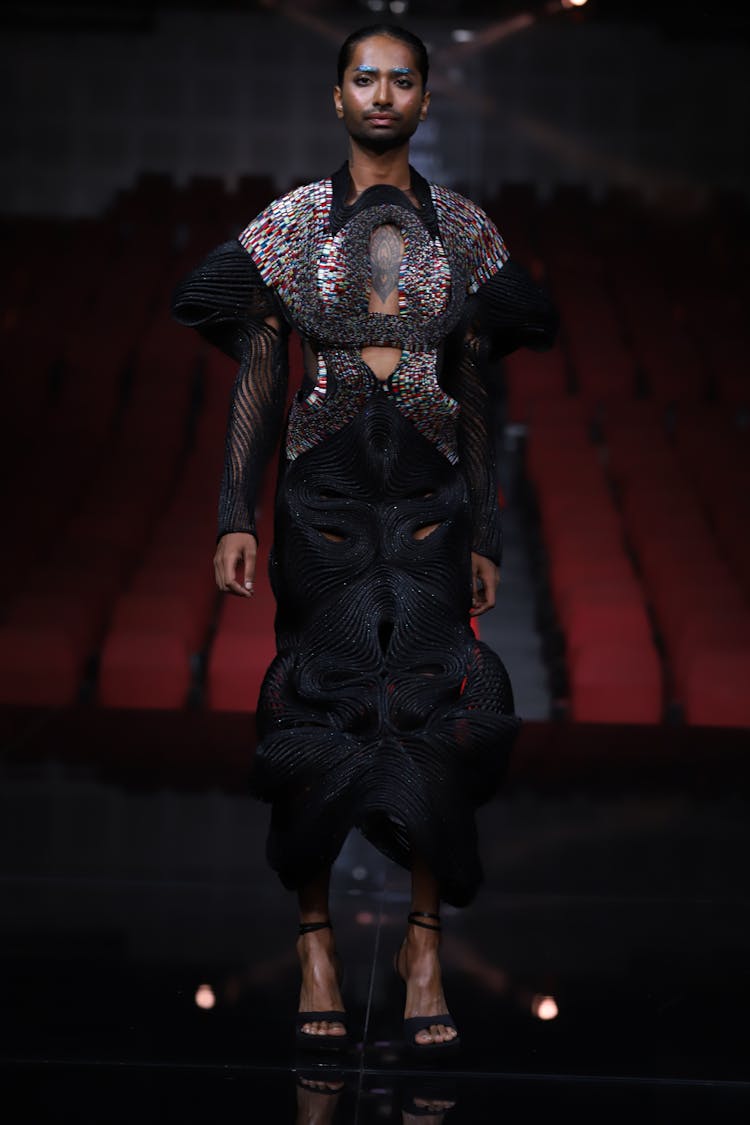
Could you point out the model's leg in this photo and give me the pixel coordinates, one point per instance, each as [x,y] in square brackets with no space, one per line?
[317,954]
[419,962]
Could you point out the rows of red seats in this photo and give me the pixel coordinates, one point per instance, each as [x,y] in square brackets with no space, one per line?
[613,669]
[699,604]
[637,450]
[112,455]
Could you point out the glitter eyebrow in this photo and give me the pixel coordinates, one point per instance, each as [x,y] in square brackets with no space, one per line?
[364,69]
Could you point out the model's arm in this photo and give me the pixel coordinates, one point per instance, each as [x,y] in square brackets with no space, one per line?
[476,453]
[225,299]
[511,311]
[505,310]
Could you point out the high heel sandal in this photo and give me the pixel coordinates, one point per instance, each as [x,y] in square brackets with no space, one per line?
[307,1039]
[415,1024]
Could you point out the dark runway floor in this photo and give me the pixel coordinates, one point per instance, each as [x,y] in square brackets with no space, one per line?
[148,952]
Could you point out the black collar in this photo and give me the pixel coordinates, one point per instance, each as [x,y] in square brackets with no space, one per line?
[380,193]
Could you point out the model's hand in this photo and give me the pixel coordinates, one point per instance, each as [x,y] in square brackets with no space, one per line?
[485,579]
[232,549]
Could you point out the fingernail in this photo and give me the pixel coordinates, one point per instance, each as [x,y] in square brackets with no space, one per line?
[248,585]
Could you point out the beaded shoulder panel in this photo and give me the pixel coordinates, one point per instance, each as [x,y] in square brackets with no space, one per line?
[298,256]
[322,275]
[470,233]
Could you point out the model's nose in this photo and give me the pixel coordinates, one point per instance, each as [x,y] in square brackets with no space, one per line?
[382,94]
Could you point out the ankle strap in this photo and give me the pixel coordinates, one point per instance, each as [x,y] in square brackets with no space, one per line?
[309,927]
[417,914]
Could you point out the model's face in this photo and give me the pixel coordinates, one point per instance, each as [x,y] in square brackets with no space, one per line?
[381,100]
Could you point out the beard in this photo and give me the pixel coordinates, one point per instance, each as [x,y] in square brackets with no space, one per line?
[381,142]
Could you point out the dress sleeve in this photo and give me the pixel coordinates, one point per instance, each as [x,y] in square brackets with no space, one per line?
[511,312]
[476,448]
[505,304]
[504,310]
[226,300]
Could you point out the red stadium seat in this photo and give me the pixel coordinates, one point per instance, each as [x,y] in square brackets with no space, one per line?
[612,683]
[590,623]
[40,665]
[144,668]
[237,662]
[706,629]
[716,687]
[174,614]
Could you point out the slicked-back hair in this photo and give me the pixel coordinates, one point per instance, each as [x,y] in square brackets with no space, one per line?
[392,31]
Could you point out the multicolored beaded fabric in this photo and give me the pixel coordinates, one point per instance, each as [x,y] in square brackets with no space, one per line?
[321,272]
[412,387]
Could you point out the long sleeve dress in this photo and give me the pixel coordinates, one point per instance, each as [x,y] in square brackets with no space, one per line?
[381,710]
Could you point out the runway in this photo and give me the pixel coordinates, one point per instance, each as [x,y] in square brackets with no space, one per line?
[150,971]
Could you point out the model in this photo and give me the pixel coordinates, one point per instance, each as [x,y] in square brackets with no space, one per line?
[382,710]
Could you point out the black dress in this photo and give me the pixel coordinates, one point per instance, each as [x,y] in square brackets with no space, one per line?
[381,710]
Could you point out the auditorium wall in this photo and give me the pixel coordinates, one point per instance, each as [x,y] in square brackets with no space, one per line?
[194,94]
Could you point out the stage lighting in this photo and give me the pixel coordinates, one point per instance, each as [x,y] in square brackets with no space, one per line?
[205,997]
[544,1007]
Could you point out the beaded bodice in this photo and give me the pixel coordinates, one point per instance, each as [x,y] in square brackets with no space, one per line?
[313,251]
[306,263]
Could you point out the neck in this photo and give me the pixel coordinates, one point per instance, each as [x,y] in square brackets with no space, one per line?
[368,169]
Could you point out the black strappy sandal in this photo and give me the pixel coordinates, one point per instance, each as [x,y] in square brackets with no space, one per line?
[414,1024]
[306,1039]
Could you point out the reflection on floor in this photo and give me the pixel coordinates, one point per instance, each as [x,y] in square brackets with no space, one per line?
[150,971]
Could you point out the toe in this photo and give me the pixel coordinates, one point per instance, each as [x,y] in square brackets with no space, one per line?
[323,1027]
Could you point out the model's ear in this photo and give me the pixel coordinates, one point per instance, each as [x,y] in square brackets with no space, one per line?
[337,101]
[425,105]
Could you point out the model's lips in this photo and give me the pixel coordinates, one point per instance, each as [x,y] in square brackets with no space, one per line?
[381,118]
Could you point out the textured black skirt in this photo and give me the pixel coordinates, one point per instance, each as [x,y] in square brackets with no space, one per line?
[381,711]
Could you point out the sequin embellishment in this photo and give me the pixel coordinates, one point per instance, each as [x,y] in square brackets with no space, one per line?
[323,278]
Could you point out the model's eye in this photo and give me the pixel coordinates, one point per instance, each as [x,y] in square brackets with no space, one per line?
[404,83]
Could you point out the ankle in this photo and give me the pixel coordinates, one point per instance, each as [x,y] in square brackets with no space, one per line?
[420,937]
[316,946]
[321,940]
[313,921]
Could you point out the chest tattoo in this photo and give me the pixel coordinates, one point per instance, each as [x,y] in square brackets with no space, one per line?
[386,250]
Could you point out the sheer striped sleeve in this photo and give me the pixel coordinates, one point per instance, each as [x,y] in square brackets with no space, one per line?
[505,310]
[511,311]
[225,300]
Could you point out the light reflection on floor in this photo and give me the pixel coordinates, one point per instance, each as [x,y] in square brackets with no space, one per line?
[149,965]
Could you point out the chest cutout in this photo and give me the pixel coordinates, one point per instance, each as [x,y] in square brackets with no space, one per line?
[386,256]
